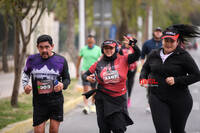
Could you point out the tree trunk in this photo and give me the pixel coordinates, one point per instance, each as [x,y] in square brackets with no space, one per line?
[70,41]
[20,51]
[16,85]
[17,79]
[17,69]
[123,28]
[5,45]
[19,63]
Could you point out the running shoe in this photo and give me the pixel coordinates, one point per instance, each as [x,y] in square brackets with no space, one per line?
[148,110]
[93,108]
[86,110]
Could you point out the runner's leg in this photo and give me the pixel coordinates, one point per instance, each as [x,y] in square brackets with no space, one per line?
[40,128]
[85,89]
[54,126]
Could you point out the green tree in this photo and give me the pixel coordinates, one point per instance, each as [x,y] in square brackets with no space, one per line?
[125,15]
[165,13]
[168,12]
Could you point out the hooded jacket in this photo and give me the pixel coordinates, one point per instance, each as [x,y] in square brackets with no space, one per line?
[179,65]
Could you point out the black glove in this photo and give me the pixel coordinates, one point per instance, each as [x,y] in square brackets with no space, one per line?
[133,41]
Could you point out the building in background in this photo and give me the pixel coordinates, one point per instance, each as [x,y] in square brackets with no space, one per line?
[47,25]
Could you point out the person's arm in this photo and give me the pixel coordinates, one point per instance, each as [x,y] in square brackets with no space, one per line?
[63,84]
[193,73]
[143,52]
[77,66]
[134,56]
[26,77]
[65,76]
[89,75]
[144,73]
[25,81]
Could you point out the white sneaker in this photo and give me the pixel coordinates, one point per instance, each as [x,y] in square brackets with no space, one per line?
[93,108]
[148,110]
[86,110]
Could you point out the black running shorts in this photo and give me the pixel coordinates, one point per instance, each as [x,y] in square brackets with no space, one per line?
[43,112]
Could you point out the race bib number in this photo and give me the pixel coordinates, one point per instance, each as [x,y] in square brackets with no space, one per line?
[44,86]
[111,76]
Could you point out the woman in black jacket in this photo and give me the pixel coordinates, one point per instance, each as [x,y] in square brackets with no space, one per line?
[110,99]
[167,73]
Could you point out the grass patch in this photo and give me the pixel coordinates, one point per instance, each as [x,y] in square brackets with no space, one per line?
[24,111]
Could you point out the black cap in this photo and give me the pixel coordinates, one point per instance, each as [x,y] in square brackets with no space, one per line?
[170,33]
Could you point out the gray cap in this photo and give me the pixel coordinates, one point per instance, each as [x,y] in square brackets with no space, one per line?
[158,29]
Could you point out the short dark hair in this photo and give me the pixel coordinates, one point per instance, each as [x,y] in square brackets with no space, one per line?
[44,38]
[91,36]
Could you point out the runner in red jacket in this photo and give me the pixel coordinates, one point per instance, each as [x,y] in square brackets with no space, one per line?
[111,73]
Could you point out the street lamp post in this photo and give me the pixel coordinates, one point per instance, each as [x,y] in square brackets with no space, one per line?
[81,23]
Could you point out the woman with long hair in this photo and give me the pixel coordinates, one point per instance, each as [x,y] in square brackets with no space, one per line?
[167,73]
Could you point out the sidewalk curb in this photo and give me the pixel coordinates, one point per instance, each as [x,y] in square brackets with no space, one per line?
[26,125]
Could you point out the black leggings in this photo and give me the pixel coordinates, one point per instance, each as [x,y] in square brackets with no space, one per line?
[170,114]
[130,81]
